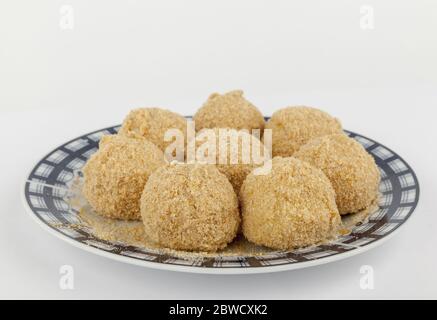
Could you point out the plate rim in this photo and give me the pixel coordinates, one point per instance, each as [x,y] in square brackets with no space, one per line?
[207,270]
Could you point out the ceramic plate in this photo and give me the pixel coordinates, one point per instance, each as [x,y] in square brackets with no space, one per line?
[47,193]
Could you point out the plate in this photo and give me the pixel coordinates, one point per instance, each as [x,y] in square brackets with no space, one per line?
[47,192]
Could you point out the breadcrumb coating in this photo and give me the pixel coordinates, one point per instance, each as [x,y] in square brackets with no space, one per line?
[190,207]
[230,110]
[292,127]
[236,173]
[152,123]
[116,174]
[292,207]
[352,171]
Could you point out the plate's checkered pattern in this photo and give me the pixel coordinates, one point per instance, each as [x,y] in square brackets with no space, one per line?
[47,192]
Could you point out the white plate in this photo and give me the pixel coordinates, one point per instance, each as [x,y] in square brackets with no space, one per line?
[47,191]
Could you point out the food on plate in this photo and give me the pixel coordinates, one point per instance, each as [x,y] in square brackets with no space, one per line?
[292,207]
[352,171]
[190,207]
[229,110]
[114,177]
[292,127]
[235,152]
[224,187]
[152,124]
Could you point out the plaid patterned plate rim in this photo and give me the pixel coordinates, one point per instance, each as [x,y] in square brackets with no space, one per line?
[46,194]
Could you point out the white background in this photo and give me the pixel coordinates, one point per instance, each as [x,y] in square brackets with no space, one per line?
[56,84]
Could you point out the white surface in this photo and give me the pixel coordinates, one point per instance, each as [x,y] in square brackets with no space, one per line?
[57,84]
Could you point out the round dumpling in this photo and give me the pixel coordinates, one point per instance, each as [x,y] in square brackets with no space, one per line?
[352,171]
[291,207]
[230,110]
[292,127]
[116,174]
[152,124]
[236,153]
[190,207]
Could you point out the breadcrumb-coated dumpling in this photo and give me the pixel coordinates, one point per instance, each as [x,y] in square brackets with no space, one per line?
[352,171]
[292,127]
[152,124]
[248,151]
[190,207]
[291,207]
[116,174]
[229,110]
